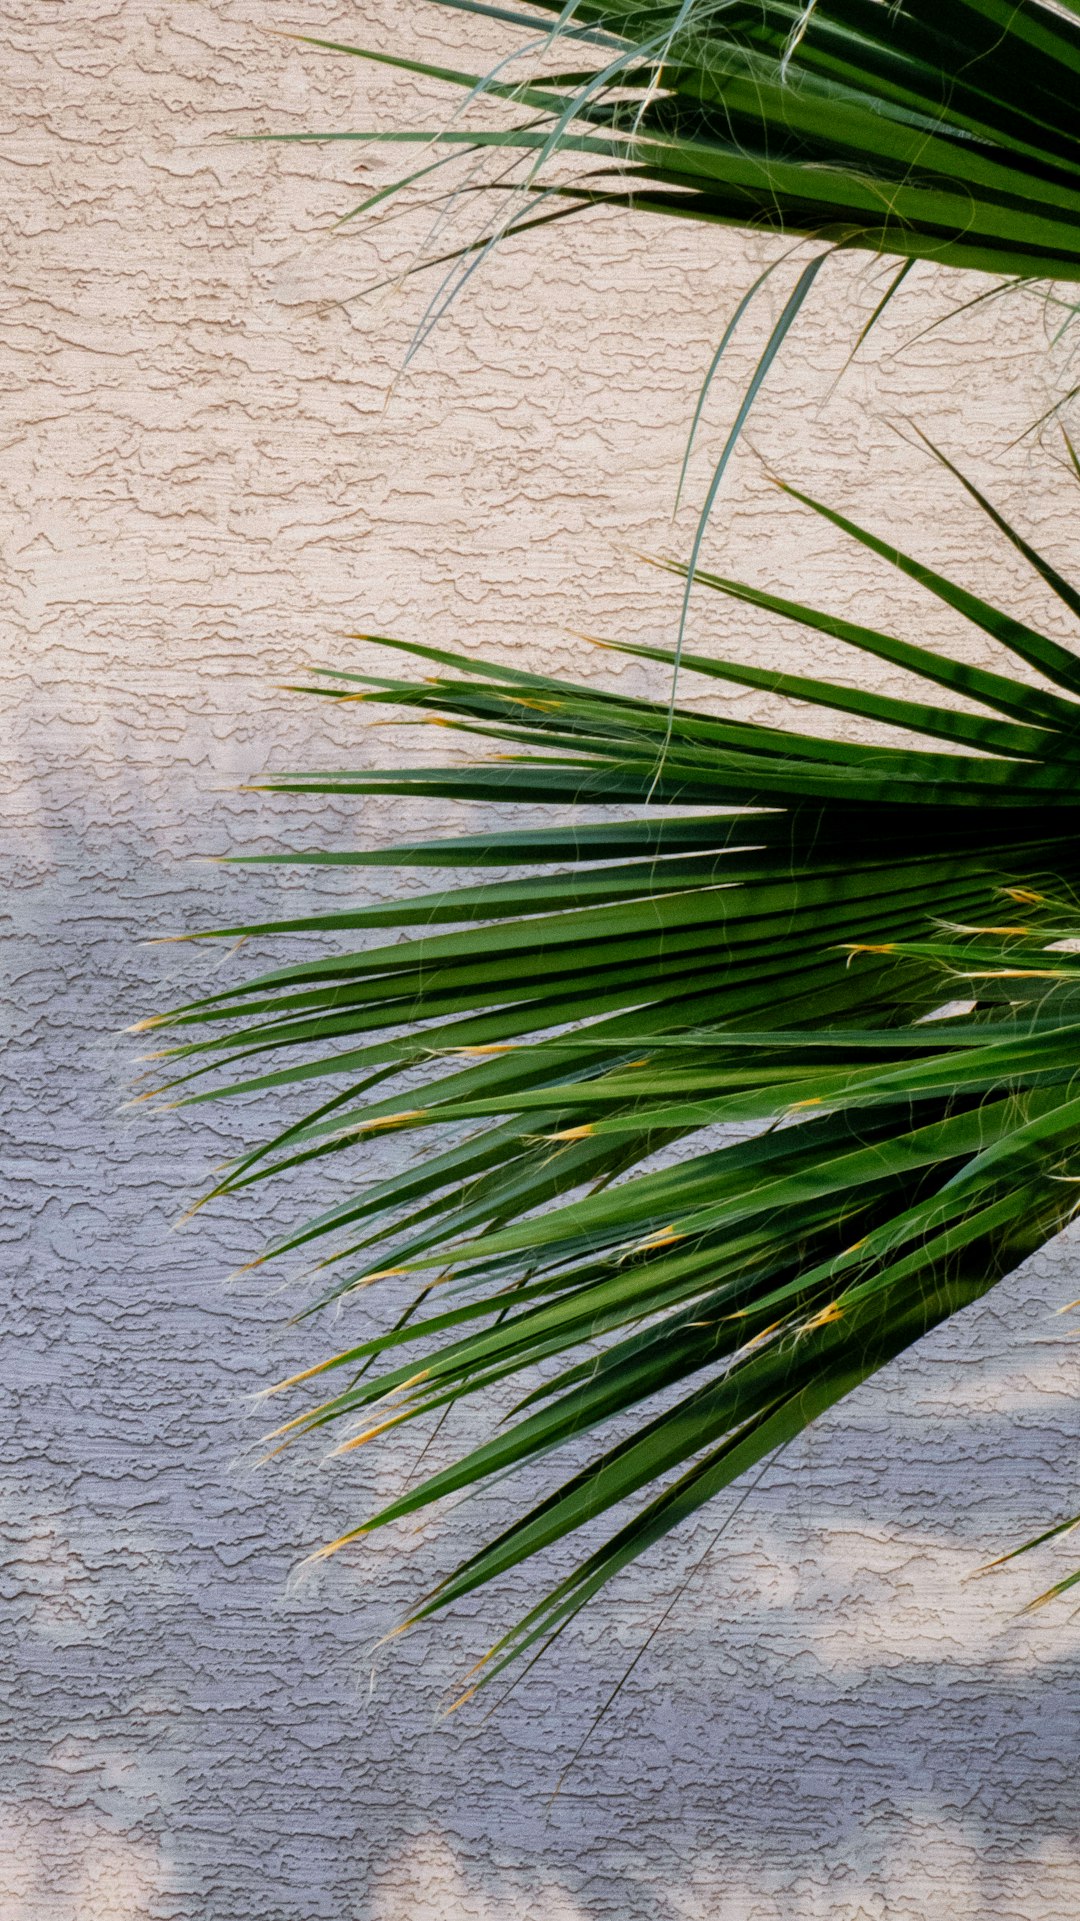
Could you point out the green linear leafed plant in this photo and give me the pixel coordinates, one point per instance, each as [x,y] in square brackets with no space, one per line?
[944,132]
[769,939]
[928,129]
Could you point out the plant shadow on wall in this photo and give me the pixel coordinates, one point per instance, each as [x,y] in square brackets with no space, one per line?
[859,959]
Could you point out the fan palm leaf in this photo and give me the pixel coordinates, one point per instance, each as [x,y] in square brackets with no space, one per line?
[768,944]
[944,132]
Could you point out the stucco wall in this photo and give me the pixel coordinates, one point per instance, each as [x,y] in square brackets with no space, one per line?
[208,482]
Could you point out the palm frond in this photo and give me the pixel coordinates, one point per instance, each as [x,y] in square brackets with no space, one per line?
[769,943]
[945,132]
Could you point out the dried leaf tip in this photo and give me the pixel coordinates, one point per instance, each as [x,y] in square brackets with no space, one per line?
[663,1239]
[331,1547]
[368,1434]
[305,1374]
[824,1317]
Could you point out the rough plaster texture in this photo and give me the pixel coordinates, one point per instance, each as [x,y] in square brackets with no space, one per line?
[208,481]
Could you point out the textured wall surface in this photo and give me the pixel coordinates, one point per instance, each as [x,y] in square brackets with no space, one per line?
[211,474]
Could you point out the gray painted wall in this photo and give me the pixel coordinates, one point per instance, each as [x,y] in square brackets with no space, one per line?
[207,486]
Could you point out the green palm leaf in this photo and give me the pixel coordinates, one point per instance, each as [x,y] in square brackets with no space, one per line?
[778,961]
[944,132]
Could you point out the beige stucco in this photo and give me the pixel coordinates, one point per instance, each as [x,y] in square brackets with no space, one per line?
[211,475]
